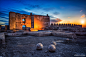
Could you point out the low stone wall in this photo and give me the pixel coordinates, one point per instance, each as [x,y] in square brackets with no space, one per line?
[44,33]
[39,34]
[53,33]
[64,34]
[14,34]
[80,33]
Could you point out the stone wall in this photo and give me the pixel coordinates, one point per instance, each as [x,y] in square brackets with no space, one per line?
[32,21]
[41,21]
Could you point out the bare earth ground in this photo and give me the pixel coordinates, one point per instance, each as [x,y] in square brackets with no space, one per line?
[25,46]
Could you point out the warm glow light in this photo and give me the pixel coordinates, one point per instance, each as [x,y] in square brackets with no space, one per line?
[82,21]
[32,29]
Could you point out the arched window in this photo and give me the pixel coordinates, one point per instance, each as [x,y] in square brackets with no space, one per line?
[23,19]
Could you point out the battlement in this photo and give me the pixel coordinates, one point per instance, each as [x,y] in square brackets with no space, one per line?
[66,25]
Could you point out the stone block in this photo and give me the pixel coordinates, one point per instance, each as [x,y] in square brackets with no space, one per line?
[2,36]
[39,34]
[63,34]
[15,34]
[9,31]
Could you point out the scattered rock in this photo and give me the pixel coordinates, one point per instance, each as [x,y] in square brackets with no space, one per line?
[39,46]
[54,43]
[52,48]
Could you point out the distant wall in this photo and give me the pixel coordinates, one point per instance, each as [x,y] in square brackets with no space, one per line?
[6,27]
[66,25]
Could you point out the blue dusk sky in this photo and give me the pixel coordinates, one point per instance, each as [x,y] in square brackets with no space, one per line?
[60,11]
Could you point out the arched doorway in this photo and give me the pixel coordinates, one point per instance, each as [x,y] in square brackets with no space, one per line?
[23,27]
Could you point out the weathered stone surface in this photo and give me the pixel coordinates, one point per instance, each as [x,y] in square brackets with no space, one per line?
[2,36]
[14,34]
[9,31]
[63,34]
[32,21]
[80,33]
[40,34]
[20,31]
[45,33]
[39,46]
[52,48]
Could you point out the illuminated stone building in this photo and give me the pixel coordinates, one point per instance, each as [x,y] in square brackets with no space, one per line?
[38,22]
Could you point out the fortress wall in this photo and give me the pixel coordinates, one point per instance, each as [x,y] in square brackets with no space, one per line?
[12,20]
[20,22]
[32,21]
[41,21]
[28,21]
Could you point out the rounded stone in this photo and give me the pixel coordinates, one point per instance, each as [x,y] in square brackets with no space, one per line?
[52,48]
[53,42]
[39,46]
[67,39]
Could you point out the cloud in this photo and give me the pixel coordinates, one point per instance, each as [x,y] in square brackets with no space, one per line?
[80,10]
[68,17]
[52,16]
[56,13]
[33,6]
[56,20]
[83,16]
[49,9]
[28,4]
[59,21]
[2,23]
[64,21]
[2,13]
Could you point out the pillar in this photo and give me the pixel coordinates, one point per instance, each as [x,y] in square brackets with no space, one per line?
[32,20]
[0,27]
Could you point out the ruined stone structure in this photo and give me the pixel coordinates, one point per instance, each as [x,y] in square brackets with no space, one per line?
[16,21]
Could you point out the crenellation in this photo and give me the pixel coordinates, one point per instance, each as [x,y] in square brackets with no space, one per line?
[51,24]
[66,25]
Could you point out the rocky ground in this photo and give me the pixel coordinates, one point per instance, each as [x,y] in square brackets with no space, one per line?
[25,46]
